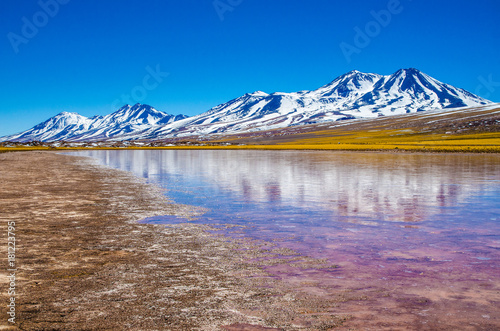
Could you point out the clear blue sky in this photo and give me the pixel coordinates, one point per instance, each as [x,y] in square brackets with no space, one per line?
[83,56]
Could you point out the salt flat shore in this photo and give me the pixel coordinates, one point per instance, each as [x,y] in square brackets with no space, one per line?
[84,263]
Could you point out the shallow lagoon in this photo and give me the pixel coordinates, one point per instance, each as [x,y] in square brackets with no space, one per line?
[415,236]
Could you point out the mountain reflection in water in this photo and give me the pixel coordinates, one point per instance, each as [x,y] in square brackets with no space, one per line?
[402,228]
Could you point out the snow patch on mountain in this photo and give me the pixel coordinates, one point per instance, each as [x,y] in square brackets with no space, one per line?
[74,127]
[350,96]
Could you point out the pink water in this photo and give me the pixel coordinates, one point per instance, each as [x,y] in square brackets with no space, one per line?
[416,237]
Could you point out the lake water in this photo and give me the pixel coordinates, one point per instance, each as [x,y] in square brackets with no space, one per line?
[424,229]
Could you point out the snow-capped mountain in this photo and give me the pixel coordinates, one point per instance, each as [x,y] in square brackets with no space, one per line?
[353,95]
[74,127]
[55,128]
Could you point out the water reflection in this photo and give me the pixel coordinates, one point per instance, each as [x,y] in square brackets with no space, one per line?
[380,187]
[417,227]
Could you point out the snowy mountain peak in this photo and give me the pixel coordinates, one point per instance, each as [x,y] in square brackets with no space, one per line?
[72,126]
[66,113]
[140,112]
[137,108]
[423,91]
[411,71]
[257,94]
[65,118]
[69,116]
[350,84]
[352,95]
[412,76]
[356,73]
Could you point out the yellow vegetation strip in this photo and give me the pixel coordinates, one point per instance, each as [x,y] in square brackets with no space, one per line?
[435,147]
[356,141]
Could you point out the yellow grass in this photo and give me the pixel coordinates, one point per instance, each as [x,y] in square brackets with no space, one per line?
[372,140]
[398,139]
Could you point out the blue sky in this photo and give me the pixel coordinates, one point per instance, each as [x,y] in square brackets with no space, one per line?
[188,56]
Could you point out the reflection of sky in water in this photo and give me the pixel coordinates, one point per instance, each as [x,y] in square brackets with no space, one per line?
[347,206]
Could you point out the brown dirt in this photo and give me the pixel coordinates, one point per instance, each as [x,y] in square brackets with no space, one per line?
[84,263]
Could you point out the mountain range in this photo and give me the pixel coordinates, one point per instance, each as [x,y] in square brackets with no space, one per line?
[350,96]
[74,127]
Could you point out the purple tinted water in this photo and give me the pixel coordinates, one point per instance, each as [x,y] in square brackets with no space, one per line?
[385,219]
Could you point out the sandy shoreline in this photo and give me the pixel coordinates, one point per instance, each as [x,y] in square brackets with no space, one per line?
[85,263]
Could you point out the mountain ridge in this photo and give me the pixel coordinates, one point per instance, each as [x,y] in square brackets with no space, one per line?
[352,95]
[349,96]
[70,126]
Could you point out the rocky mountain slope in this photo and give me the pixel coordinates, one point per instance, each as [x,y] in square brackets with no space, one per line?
[350,96]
